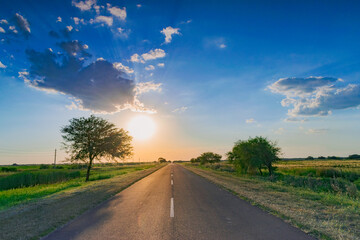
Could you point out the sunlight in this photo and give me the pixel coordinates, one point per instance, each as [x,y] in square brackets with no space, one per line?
[141,127]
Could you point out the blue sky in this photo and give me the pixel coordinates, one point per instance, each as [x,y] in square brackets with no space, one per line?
[208,72]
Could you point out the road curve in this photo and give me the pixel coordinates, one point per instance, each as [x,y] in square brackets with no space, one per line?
[174,203]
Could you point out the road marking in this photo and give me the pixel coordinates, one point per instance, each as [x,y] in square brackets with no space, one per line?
[172,208]
[172,182]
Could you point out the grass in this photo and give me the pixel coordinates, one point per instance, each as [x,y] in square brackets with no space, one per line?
[304,193]
[37,190]
[51,206]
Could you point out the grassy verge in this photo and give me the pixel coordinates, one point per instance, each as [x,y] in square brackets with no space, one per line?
[45,212]
[323,214]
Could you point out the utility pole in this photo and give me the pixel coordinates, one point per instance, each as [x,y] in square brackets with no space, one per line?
[55,159]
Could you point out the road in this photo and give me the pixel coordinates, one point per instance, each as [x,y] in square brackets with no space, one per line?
[174,203]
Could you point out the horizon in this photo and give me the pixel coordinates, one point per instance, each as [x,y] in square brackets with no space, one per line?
[182,78]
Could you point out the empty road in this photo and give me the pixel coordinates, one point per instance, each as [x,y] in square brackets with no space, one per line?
[174,203]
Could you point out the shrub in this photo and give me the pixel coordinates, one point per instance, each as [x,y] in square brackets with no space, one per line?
[8,169]
[44,166]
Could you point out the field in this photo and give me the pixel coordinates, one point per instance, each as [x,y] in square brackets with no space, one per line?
[322,197]
[21,184]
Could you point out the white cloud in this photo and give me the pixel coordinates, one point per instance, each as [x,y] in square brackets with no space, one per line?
[59,19]
[317,131]
[294,119]
[180,110]
[104,19]
[153,54]
[123,32]
[2,65]
[222,45]
[136,58]
[77,20]
[69,28]
[120,66]
[23,23]
[144,87]
[251,120]
[316,96]
[138,5]
[3,21]
[161,64]
[168,32]
[279,131]
[150,67]
[2,30]
[84,5]
[117,12]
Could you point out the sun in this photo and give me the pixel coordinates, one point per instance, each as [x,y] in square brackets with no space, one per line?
[141,127]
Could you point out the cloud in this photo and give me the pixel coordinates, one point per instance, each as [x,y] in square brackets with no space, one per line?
[69,28]
[84,5]
[251,120]
[301,86]
[2,30]
[279,131]
[150,67]
[215,42]
[168,32]
[186,22]
[138,5]
[161,65]
[23,24]
[117,12]
[104,19]
[316,96]
[151,55]
[294,119]
[123,32]
[180,110]
[2,65]
[222,45]
[144,87]
[317,131]
[4,21]
[120,66]
[77,20]
[99,86]
[59,19]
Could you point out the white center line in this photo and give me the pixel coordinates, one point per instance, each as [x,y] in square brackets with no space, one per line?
[172,208]
[172,182]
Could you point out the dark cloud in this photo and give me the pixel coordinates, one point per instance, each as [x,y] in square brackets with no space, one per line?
[23,24]
[54,34]
[316,96]
[299,86]
[98,86]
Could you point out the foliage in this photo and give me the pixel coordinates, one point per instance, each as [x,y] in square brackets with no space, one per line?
[207,157]
[354,156]
[321,157]
[309,158]
[254,154]
[162,160]
[27,178]
[94,138]
[8,169]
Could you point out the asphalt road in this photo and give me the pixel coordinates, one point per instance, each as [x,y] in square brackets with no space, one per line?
[174,203]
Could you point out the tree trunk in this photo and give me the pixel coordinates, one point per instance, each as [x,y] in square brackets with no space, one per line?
[270,169]
[88,170]
[260,171]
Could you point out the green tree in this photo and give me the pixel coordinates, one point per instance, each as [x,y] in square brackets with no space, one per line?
[94,138]
[161,160]
[254,153]
[209,157]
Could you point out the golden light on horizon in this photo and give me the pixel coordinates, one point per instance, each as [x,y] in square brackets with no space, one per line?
[142,127]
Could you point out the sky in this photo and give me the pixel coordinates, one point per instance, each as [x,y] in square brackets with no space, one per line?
[208,73]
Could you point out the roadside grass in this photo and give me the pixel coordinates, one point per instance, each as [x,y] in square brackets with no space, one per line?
[326,214]
[56,204]
[12,197]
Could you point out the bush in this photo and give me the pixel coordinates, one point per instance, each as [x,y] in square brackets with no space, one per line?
[8,169]
[26,179]
[44,166]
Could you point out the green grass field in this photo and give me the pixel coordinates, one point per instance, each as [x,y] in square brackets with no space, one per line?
[33,182]
[322,197]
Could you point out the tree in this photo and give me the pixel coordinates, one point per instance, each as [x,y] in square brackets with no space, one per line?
[209,157]
[94,138]
[254,153]
[309,158]
[161,160]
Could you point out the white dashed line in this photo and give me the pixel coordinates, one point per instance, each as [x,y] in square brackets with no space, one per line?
[172,208]
[172,182]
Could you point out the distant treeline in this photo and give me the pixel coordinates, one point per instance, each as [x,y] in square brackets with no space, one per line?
[353,156]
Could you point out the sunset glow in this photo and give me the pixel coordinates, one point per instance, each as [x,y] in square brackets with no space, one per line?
[141,128]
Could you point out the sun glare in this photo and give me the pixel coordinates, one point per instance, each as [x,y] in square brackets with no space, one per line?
[141,127]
